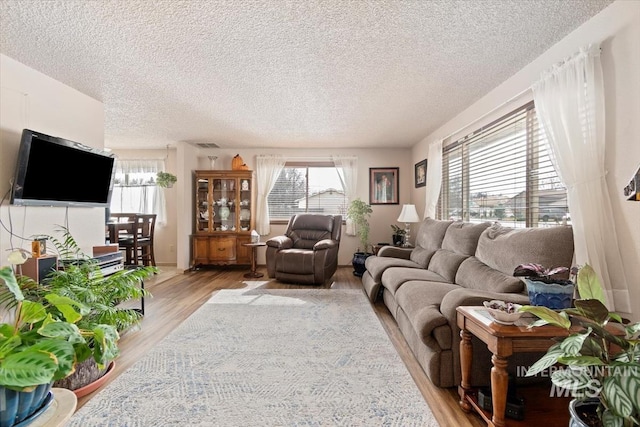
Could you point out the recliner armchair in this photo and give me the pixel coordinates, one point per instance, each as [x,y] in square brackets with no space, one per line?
[308,251]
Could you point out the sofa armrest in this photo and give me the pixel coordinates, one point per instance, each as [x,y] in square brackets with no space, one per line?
[464,296]
[395,252]
[280,242]
[324,244]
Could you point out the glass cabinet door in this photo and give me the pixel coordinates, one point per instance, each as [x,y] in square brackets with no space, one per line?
[203,203]
[244,214]
[225,197]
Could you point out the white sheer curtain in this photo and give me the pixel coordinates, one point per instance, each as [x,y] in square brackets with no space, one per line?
[139,192]
[347,168]
[569,100]
[268,168]
[434,179]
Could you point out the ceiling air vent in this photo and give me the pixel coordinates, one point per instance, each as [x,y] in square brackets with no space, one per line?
[205,144]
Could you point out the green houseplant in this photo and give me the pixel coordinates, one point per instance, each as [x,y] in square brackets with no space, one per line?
[544,286]
[602,354]
[36,347]
[81,280]
[360,212]
[165,179]
[398,235]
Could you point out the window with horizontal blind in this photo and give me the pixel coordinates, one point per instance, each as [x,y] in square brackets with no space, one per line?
[503,172]
[312,187]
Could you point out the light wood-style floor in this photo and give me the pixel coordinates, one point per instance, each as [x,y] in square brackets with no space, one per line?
[176,295]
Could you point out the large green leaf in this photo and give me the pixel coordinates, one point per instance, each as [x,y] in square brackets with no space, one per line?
[580,361]
[105,344]
[28,368]
[588,284]
[619,402]
[546,361]
[64,354]
[6,274]
[32,312]
[63,330]
[67,307]
[548,315]
[572,379]
[8,343]
[572,344]
[593,309]
[628,377]
[611,420]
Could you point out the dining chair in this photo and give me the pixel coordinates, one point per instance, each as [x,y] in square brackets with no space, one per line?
[139,244]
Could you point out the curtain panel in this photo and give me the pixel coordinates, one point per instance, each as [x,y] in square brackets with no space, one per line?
[434,179]
[570,102]
[268,168]
[347,168]
[135,189]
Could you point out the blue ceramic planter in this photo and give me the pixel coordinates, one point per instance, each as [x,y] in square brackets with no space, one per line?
[550,295]
[16,406]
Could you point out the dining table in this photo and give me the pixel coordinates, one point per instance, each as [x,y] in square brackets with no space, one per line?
[115,227]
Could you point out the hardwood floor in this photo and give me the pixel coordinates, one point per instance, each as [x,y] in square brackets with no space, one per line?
[175,296]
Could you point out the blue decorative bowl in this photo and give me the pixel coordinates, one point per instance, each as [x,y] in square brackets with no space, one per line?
[550,295]
[16,406]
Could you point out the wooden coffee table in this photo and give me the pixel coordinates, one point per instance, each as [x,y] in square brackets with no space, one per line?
[502,341]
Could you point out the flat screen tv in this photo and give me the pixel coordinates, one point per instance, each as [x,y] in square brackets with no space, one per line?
[53,171]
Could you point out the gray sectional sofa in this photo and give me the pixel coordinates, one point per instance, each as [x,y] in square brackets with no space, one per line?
[453,264]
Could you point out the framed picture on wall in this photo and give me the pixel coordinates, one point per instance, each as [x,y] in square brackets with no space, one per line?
[383,186]
[421,173]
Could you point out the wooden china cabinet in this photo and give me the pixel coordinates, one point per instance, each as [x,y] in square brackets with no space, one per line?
[224,217]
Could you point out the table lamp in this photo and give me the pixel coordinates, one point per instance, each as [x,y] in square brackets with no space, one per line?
[408,215]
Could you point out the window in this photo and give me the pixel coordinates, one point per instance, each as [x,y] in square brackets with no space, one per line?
[312,187]
[135,189]
[502,172]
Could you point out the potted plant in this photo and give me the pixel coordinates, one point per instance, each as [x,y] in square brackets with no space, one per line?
[36,348]
[165,179]
[544,287]
[602,354]
[399,235]
[360,212]
[82,280]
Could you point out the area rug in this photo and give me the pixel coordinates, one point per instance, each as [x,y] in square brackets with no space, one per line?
[255,357]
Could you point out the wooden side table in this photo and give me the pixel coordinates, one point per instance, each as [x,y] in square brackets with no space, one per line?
[253,274]
[502,341]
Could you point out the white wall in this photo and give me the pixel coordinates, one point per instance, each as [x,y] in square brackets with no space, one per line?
[383,215]
[30,99]
[617,29]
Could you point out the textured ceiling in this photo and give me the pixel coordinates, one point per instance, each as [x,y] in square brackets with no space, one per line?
[283,73]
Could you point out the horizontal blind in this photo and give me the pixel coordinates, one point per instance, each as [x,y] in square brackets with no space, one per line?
[503,172]
[307,187]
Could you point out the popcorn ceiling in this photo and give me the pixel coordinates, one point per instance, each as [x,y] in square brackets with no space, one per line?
[283,73]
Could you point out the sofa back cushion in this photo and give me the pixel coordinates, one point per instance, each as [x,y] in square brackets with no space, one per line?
[474,274]
[504,248]
[459,243]
[428,240]
[305,230]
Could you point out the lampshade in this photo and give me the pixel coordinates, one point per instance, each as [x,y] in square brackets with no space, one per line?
[408,214]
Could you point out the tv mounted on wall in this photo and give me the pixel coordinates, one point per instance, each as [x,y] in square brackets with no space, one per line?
[53,171]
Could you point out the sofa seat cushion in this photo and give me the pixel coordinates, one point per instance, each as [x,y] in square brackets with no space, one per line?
[376,265]
[420,301]
[295,261]
[395,277]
